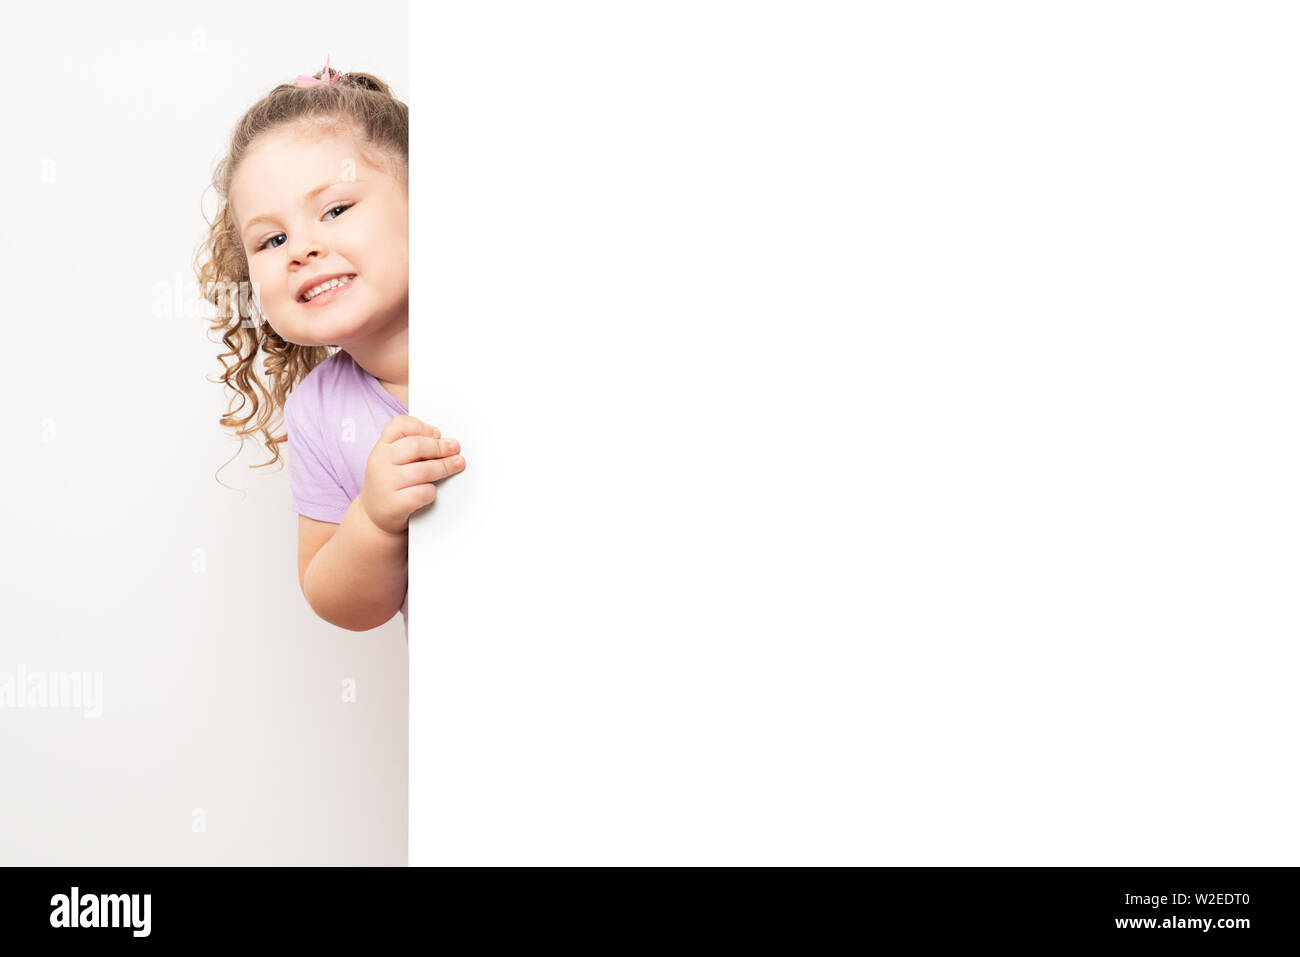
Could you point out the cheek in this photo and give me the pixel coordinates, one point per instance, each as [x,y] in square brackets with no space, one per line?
[267,294]
[390,252]
[389,271]
[269,285]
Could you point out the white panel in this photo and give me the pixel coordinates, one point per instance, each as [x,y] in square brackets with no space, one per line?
[880,433]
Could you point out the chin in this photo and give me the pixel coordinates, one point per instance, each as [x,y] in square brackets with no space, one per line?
[339,329]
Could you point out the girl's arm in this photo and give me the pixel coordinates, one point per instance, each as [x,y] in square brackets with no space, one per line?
[357,578]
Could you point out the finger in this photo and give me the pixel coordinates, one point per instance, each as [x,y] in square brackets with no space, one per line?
[417,496]
[412,448]
[400,425]
[428,470]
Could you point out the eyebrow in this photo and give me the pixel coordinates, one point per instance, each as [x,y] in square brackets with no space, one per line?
[307,198]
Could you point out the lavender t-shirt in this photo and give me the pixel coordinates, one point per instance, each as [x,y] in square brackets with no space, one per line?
[333,418]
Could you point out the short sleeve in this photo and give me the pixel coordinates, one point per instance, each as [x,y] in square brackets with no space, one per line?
[315,492]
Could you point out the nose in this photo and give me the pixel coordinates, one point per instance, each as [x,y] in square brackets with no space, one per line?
[305,246]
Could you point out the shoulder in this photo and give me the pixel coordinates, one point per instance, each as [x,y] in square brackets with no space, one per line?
[307,399]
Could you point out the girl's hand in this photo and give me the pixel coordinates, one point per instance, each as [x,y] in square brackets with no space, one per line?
[408,458]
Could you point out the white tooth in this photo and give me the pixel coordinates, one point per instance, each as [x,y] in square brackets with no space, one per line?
[331,284]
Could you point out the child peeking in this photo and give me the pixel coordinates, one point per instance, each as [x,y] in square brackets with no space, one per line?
[306,262]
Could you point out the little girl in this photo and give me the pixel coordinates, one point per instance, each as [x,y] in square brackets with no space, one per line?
[306,263]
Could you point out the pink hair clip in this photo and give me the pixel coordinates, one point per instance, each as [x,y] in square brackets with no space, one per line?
[312,81]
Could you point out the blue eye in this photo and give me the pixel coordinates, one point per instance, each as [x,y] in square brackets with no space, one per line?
[265,242]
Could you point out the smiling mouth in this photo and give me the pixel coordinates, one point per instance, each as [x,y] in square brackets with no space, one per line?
[327,289]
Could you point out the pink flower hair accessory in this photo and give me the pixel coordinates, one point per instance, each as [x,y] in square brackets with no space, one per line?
[312,81]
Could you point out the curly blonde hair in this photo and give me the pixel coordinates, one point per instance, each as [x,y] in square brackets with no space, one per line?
[357,101]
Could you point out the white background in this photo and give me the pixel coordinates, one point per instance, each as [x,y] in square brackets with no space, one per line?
[127,549]
[881,433]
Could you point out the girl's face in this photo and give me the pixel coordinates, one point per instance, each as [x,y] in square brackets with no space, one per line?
[309,207]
